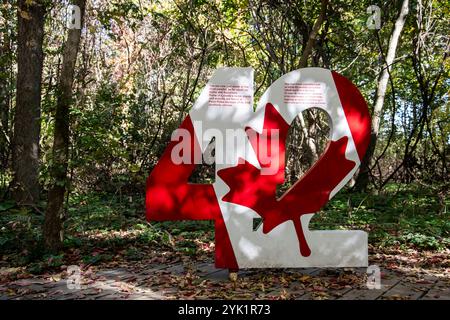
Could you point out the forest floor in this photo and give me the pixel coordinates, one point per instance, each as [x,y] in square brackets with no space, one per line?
[121,256]
[410,276]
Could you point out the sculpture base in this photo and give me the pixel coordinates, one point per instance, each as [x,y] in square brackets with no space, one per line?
[280,248]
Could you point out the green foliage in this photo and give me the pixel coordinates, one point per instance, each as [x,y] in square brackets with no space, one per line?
[102,227]
[141,66]
[19,228]
[406,215]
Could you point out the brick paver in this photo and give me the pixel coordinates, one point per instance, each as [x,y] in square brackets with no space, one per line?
[121,283]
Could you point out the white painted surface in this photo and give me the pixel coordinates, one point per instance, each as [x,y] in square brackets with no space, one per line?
[280,247]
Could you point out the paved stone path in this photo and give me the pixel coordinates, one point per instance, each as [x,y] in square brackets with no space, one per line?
[167,282]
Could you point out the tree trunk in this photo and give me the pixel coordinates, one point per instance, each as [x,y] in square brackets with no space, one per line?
[311,150]
[5,88]
[362,180]
[313,35]
[53,230]
[28,101]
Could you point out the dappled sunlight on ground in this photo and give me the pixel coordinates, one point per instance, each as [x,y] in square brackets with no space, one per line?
[411,275]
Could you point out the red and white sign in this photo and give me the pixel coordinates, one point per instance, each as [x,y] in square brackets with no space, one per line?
[250,163]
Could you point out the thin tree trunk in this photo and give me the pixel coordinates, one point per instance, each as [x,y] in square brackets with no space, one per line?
[311,151]
[5,87]
[28,101]
[313,35]
[362,180]
[53,230]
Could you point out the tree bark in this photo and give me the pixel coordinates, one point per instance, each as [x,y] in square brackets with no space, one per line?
[53,230]
[25,185]
[362,180]
[313,34]
[5,87]
[311,154]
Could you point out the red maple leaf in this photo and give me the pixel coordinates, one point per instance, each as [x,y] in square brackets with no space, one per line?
[250,187]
